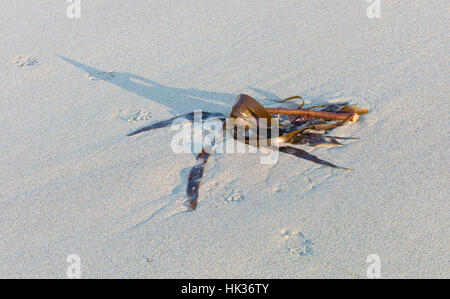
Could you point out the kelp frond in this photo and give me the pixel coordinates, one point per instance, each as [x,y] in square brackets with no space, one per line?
[301,126]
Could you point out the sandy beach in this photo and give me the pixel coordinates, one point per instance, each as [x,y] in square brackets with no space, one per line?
[72,183]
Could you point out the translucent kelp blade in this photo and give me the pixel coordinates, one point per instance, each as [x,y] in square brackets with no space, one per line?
[250,110]
[291,98]
[165,123]
[307,156]
[354,109]
[195,178]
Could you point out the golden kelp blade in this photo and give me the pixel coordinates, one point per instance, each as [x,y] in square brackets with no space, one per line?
[251,110]
[292,98]
[355,109]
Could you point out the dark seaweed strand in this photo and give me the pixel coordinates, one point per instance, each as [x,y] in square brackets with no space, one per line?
[314,139]
[307,156]
[168,122]
[196,174]
[337,137]
[334,107]
[195,177]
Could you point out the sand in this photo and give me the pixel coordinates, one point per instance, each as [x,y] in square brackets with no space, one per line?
[72,182]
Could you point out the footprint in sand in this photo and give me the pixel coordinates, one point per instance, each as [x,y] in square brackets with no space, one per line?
[316,177]
[296,243]
[233,196]
[132,115]
[25,61]
[101,76]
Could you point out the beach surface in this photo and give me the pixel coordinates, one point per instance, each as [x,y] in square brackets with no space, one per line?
[72,182]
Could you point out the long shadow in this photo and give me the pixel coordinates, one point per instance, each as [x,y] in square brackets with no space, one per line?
[179,100]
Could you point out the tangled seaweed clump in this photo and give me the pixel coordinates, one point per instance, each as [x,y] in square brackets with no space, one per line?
[301,126]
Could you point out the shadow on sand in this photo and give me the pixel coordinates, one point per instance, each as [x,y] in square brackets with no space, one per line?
[179,100]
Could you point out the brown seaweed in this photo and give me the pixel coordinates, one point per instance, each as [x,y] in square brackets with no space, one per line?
[306,126]
[307,156]
[195,178]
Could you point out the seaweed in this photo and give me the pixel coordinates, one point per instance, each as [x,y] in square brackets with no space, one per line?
[195,178]
[301,126]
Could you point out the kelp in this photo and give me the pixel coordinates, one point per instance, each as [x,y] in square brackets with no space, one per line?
[195,178]
[301,126]
[307,156]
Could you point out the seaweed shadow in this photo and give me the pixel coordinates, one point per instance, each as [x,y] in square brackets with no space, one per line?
[179,100]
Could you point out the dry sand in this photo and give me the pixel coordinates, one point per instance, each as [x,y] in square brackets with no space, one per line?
[72,182]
